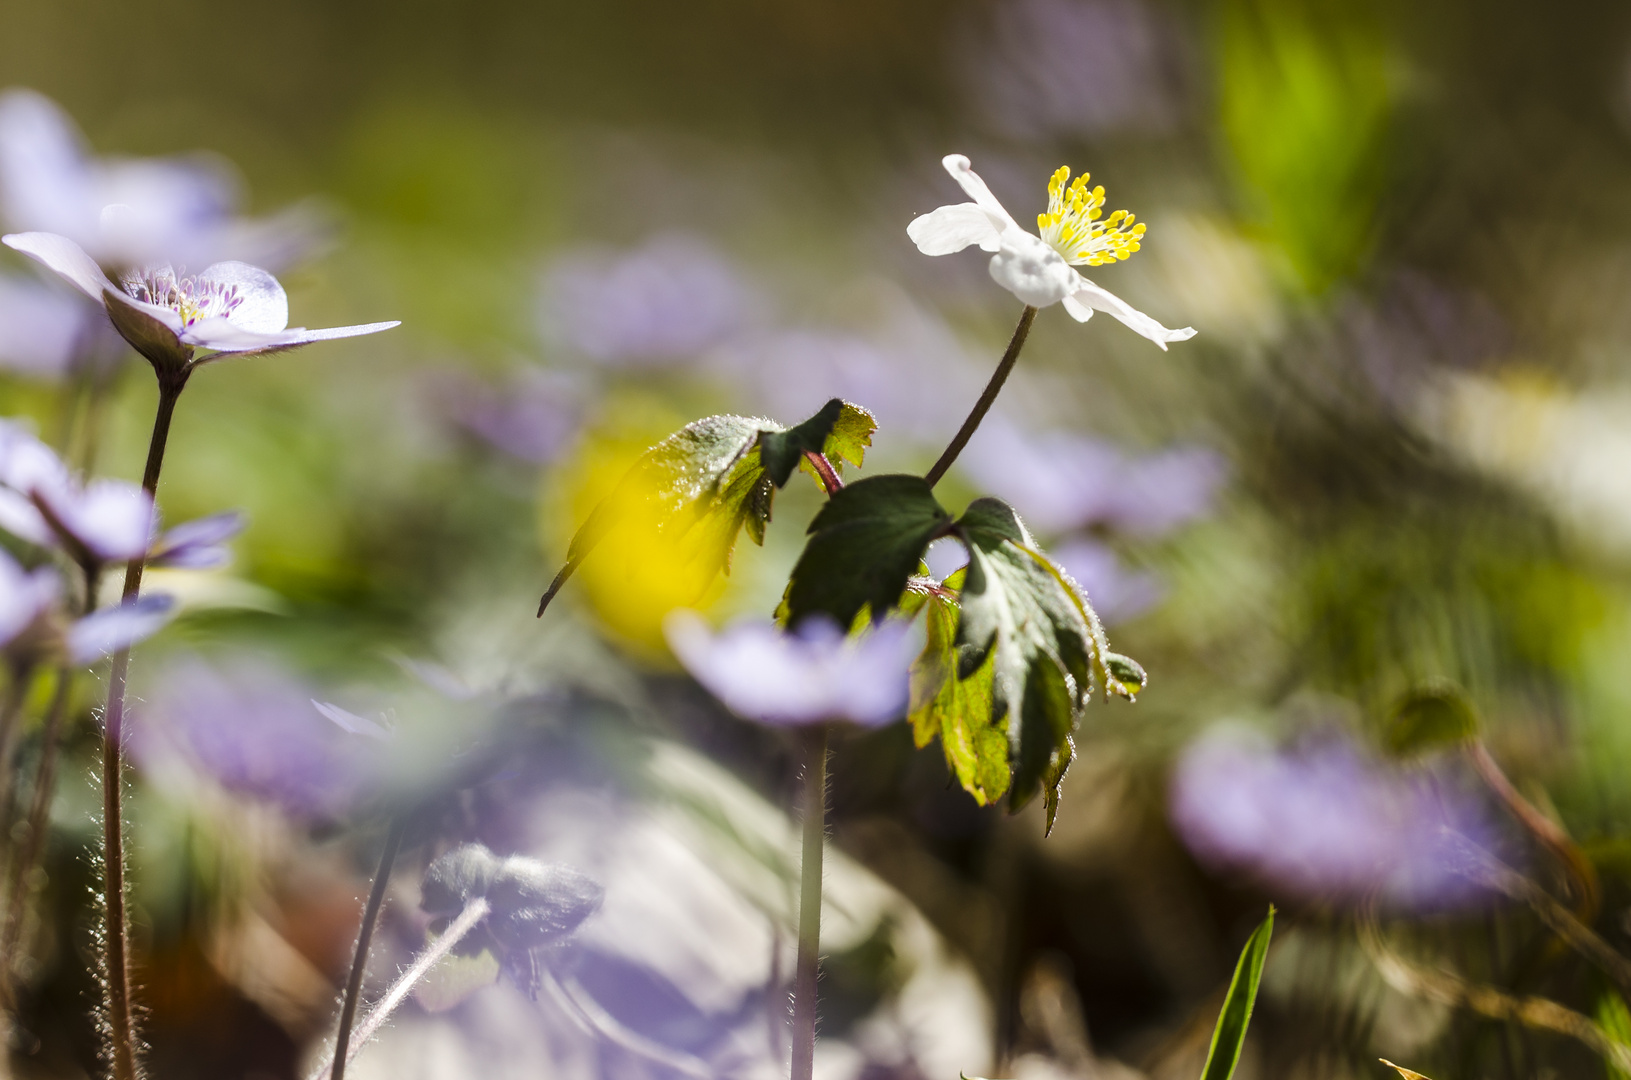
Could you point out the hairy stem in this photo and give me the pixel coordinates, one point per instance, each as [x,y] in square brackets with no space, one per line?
[359,962]
[815,832]
[989,395]
[473,913]
[121,1023]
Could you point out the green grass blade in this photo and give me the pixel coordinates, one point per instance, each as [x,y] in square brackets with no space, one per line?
[1230,1035]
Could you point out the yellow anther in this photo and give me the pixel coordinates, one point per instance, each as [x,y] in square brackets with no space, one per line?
[1075,226]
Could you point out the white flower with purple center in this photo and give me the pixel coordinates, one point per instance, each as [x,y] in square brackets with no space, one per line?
[810,675]
[43,503]
[179,321]
[32,624]
[1041,269]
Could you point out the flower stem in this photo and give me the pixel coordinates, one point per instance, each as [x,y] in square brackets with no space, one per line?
[121,1023]
[815,832]
[830,480]
[983,406]
[359,962]
[475,911]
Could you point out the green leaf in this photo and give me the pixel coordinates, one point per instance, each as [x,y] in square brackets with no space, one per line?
[700,486]
[1429,717]
[839,431]
[958,710]
[1022,614]
[1615,1020]
[864,546]
[1230,1035]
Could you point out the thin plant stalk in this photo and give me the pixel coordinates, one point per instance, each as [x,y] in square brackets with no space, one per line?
[359,962]
[989,395]
[475,911]
[21,676]
[120,1020]
[39,810]
[815,834]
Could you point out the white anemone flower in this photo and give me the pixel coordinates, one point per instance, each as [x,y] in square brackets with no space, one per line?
[177,321]
[1041,270]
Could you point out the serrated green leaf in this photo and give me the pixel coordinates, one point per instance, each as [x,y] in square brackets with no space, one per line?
[864,546]
[1044,642]
[956,709]
[701,485]
[1429,717]
[1229,1037]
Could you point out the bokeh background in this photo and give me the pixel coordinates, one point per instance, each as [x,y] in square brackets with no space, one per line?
[1397,455]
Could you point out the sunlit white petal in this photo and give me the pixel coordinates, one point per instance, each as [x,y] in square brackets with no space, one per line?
[67,258]
[1140,323]
[953,228]
[962,172]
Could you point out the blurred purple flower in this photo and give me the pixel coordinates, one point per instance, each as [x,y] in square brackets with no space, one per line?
[131,211]
[41,502]
[810,675]
[41,328]
[534,417]
[252,727]
[1049,68]
[1060,481]
[25,596]
[228,309]
[107,631]
[1116,592]
[199,544]
[669,300]
[1321,819]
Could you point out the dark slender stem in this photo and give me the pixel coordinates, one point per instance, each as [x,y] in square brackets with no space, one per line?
[1543,828]
[983,406]
[815,833]
[121,1023]
[359,962]
[828,475]
[21,676]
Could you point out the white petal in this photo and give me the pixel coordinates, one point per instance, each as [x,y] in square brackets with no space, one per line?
[263,307]
[65,257]
[229,340]
[1030,269]
[1140,323]
[958,166]
[953,228]
[1078,310]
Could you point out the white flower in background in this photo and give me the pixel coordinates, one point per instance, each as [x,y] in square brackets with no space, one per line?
[1041,270]
[228,309]
[807,676]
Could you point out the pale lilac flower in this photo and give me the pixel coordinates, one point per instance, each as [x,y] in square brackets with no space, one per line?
[534,416]
[251,726]
[1321,819]
[108,630]
[25,596]
[41,502]
[1049,68]
[1041,270]
[42,329]
[812,674]
[1116,592]
[199,544]
[667,301]
[178,322]
[130,211]
[1060,481]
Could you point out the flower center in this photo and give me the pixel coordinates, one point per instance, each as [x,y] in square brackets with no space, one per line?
[191,298]
[1073,227]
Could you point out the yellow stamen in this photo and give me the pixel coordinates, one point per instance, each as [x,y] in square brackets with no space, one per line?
[1072,226]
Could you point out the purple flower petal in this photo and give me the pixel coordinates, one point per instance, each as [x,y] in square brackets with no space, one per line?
[24,596]
[1115,592]
[110,519]
[1320,819]
[41,328]
[226,339]
[105,632]
[811,675]
[197,545]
